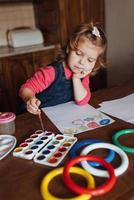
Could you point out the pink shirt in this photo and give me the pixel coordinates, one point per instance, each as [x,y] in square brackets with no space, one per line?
[45,76]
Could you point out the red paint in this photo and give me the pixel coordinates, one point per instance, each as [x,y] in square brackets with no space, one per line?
[58,154]
[60,138]
[52,160]
[62,149]
[23,144]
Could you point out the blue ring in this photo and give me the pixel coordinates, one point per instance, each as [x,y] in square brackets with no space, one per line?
[83,143]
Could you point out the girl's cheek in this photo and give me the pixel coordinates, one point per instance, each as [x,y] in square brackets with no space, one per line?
[90,67]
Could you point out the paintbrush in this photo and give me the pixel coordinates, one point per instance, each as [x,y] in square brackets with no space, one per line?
[41,122]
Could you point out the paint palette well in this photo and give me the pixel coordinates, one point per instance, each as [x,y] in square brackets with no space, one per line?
[54,152]
[33,144]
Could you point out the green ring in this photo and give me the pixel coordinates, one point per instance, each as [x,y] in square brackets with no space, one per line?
[120,133]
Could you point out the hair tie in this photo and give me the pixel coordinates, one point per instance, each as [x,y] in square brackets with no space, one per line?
[96,32]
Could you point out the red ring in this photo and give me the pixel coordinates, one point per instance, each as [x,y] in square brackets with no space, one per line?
[81,190]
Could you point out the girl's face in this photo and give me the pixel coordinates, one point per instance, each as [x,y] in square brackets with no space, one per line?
[83,59]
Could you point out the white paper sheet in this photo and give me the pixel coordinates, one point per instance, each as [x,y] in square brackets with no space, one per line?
[70,118]
[122,108]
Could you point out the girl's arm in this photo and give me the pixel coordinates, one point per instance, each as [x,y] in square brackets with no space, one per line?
[40,81]
[82,92]
[26,94]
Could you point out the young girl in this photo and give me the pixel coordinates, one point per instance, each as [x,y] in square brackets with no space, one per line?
[68,78]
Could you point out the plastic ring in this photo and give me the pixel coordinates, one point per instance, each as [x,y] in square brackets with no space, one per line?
[120,133]
[103,173]
[83,143]
[46,180]
[80,190]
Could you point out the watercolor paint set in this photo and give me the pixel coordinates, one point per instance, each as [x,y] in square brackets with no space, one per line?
[54,152]
[33,144]
[45,148]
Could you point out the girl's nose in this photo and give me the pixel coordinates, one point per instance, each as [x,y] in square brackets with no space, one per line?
[82,60]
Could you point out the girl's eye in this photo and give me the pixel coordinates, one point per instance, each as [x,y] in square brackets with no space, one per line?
[78,53]
[89,60]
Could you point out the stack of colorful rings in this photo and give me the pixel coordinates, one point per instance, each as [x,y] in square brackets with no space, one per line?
[78,145]
[89,163]
[120,133]
[85,193]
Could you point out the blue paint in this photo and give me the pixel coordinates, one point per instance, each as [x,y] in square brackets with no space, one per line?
[104,121]
[43,138]
[46,152]
[39,142]
[42,157]
[34,147]
[51,147]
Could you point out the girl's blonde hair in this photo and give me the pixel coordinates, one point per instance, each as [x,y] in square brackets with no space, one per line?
[94,34]
[97,38]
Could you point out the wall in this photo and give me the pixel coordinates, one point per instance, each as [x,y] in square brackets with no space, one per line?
[15,15]
[120,33]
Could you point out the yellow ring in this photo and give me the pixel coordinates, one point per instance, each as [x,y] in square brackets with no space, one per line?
[46,180]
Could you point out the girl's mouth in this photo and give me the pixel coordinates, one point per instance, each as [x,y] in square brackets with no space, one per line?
[78,68]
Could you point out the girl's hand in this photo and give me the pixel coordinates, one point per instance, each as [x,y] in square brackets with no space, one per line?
[33,105]
[81,74]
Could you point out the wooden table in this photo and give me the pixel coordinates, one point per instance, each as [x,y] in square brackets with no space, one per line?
[20,179]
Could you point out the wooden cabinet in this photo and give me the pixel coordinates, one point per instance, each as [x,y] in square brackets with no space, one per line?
[47,19]
[15,70]
[42,58]
[14,1]
[58,18]
[3,89]
[74,12]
